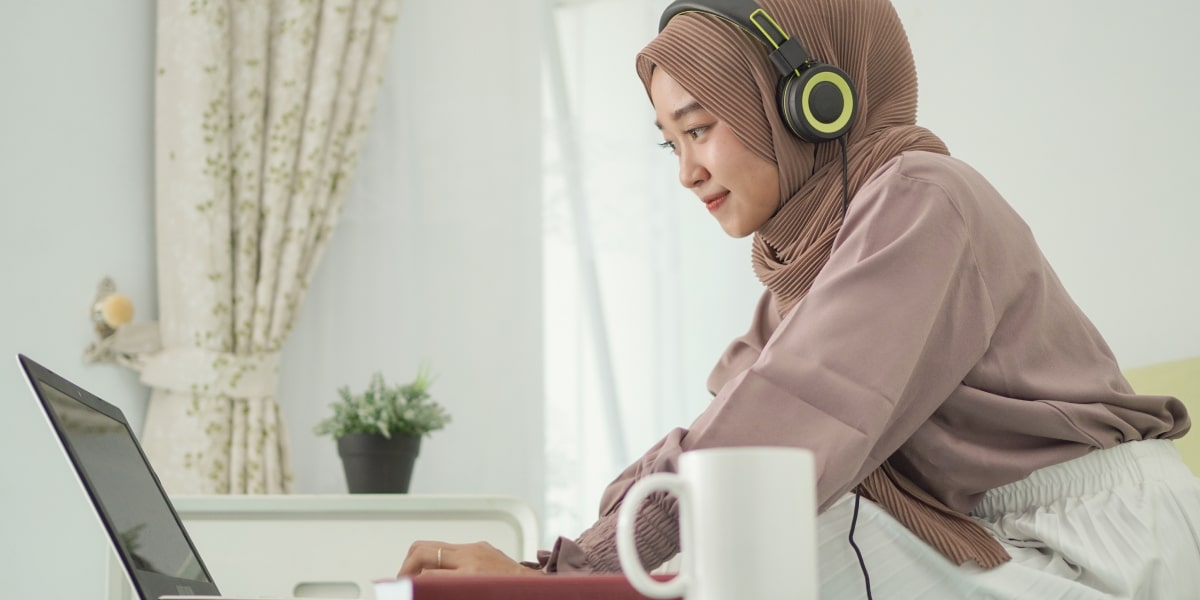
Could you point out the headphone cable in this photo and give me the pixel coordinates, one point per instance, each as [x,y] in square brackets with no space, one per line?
[853,522]
[858,488]
[845,178]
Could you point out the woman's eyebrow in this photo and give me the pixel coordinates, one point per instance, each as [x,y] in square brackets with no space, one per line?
[680,112]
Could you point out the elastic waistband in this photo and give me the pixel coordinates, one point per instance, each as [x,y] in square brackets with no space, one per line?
[1097,471]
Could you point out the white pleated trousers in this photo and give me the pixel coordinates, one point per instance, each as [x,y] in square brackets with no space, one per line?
[1117,523]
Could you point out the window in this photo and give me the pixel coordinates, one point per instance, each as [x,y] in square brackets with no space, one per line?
[642,290]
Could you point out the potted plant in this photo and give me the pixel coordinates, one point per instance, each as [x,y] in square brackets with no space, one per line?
[378,432]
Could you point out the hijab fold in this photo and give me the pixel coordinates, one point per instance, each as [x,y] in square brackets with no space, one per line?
[729,73]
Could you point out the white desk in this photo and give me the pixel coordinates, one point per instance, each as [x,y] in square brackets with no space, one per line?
[332,546]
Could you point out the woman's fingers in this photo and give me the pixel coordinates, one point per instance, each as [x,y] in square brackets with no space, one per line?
[441,558]
[424,556]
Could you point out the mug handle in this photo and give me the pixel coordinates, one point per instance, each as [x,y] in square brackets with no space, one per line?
[631,564]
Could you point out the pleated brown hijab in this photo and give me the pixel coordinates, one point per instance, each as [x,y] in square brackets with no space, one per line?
[729,73]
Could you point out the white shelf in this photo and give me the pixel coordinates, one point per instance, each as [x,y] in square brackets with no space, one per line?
[333,546]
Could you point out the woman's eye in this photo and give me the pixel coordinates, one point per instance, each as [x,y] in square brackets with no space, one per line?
[696,132]
[670,146]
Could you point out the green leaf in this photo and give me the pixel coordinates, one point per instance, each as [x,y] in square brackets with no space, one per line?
[386,409]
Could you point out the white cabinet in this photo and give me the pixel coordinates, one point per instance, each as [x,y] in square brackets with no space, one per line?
[333,546]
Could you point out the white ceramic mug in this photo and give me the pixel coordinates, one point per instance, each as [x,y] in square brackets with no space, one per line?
[747,526]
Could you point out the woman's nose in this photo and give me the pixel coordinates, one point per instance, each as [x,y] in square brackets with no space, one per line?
[691,172]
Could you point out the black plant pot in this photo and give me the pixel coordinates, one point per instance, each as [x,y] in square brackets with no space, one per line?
[378,465]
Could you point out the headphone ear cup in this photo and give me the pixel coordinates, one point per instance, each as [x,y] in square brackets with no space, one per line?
[818,105]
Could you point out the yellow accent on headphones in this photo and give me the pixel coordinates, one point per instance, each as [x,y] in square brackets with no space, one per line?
[843,86]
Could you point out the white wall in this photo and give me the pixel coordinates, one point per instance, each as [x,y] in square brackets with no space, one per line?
[76,181]
[437,257]
[1083,113]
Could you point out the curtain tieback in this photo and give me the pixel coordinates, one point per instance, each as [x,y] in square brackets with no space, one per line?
[210,373]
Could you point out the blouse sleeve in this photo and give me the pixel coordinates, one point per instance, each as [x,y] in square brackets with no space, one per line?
[891,325]
[657,529]
[744,350]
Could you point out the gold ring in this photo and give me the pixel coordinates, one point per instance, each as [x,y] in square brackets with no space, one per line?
[439,558]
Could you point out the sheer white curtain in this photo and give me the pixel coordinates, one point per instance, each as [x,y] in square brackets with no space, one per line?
[673,289]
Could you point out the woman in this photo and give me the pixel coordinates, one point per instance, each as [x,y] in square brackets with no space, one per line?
[911,335]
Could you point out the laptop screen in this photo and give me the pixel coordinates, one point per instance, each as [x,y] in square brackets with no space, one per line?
[152,543]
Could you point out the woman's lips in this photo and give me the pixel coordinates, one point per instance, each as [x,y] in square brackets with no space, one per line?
[713,202]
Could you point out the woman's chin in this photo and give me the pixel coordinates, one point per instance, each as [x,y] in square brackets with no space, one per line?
[735,230]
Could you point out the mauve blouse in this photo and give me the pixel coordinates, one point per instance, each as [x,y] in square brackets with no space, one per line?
[937,337]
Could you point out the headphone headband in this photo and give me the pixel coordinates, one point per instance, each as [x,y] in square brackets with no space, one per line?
[730,10]
[787,53]
[817,101]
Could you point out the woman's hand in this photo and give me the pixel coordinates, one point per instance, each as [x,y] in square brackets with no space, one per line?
[440,558]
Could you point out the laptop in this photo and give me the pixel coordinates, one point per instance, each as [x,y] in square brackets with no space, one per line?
[155,550]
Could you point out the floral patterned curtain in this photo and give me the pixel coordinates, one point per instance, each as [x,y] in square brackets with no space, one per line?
[260,112]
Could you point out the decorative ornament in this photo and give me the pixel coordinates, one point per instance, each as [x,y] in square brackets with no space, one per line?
[111,309]
[120,340]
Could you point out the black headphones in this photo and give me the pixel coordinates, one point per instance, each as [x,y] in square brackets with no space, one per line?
[817,100]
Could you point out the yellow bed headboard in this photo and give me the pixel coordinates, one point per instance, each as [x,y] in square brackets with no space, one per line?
[1179,378]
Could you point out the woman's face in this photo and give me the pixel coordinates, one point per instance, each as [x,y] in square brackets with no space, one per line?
[738,187]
